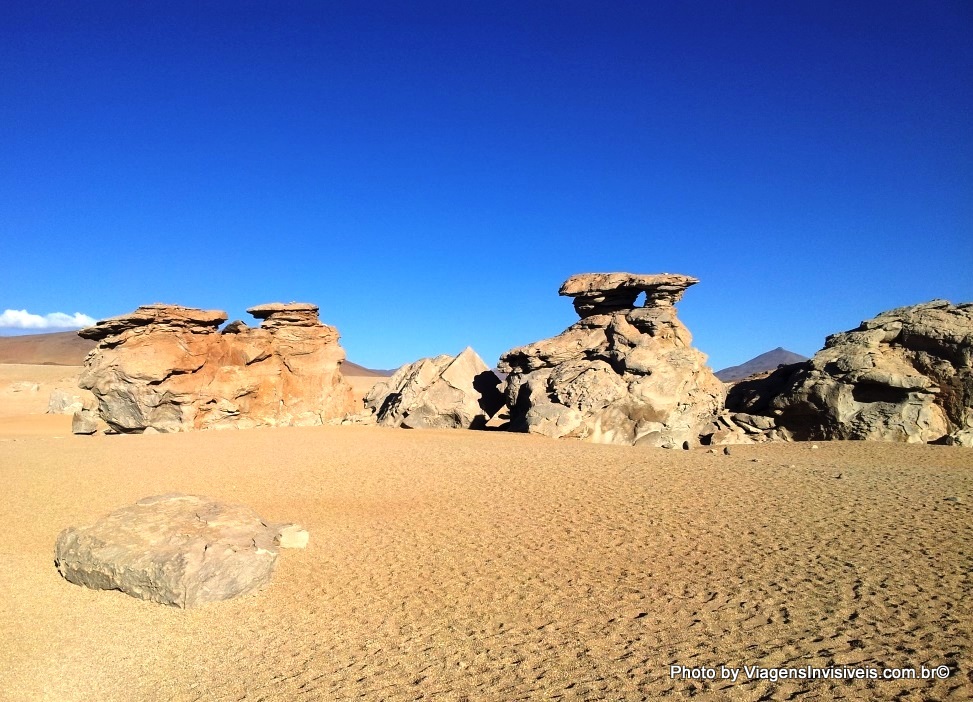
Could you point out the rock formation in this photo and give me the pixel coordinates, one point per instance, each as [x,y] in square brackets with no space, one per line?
[905,375]
[63,401]
[622,374]
[168,367]
[179,550]
[454,392]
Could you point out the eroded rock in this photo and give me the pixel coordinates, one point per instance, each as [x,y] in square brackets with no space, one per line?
[445,392]
[905,375]
[167,367]
[178,550]
[622,374]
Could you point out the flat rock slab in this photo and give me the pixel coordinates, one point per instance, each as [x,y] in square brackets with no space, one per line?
[178,550]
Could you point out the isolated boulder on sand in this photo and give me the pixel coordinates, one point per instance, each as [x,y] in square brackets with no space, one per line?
[452,392]
[622,374]
[906,375]
[178,550]
[168,367]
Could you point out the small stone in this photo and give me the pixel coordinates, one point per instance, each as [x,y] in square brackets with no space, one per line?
[150,430]
[726,450]
[84,423]
[291,536]
[814,447]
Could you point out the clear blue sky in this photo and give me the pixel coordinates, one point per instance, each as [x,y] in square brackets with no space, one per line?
[430,172]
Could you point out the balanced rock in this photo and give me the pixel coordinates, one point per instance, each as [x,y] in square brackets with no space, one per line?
[167,367]
[622,374]
[178,550]
[905,375]
[454,392]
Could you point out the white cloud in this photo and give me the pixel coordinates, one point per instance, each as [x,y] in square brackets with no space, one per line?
[22,319]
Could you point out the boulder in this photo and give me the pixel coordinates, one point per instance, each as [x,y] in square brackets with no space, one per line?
[178,550]
[905,375]
[452,392]
[62,401]
[84,422]
[622,374]
[168,367]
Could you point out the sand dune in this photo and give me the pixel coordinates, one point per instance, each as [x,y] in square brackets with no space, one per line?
[489,566]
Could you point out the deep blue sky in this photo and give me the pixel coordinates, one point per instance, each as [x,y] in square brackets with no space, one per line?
[430,172]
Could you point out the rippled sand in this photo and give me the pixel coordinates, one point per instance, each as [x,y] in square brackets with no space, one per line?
[486,566]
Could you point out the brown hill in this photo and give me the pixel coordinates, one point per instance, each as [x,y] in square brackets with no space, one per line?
[52,349]
[761,364]
[69,349]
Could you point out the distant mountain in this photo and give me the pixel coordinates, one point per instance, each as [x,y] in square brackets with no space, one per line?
[51,349]
[69,349]
[762,363]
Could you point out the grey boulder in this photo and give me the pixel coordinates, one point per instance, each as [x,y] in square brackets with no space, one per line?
[178,550]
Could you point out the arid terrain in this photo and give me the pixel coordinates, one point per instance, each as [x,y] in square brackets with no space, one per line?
[450,564]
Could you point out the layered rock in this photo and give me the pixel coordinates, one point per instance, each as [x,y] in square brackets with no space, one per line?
[905,375]
[451,392]
[169,368]
[178,550]
[622,374]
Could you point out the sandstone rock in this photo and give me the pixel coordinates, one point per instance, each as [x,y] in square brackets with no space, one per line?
[63,401]
[905,375]
[158,317]
[454,392]
[179,550]
[291,536]
[167,367]
[622,374]
[289,314]
[84,422]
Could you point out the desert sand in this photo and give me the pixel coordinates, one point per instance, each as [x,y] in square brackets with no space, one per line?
[491,566]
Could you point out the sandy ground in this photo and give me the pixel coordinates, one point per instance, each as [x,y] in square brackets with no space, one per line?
[487,566]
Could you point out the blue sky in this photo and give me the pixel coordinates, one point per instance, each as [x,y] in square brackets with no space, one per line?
[430,172]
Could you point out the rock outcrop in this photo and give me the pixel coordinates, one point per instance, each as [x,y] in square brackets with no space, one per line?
[169,368]
[905,375]
[622,374]
[178,550]
[445,392]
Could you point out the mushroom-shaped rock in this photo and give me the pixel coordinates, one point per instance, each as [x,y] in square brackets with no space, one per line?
[178,550]
[280,314]
[622,374]
[158,315]
[604,293]
[454,392]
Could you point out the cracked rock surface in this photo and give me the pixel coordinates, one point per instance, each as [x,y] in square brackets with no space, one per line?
[178,550]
